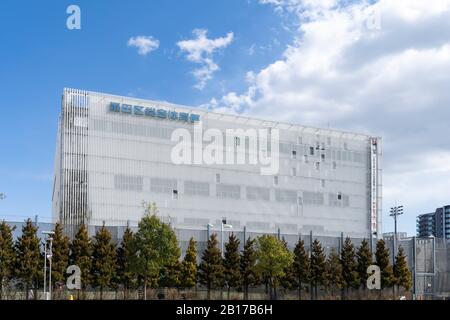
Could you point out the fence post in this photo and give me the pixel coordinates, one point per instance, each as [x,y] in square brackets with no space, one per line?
[310,256]
[414,268]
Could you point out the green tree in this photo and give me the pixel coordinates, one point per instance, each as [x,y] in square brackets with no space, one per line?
[29,258]
[210,271]
[382,261]
[301,267]
[7,256]
[231,264]
[272,260]
[171,274]
[364,260]
[103,260]
[349,265]
[401,271]
[156,248]
[81,255]
[318,260]
[248,266]
[287,281]
[125,253]
[189,266]
[334,277]
[60,255]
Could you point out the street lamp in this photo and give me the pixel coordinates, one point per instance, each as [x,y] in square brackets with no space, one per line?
[49,257]
[223,225]
[208,229]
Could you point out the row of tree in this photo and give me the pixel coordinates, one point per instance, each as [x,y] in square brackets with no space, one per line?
[151,258]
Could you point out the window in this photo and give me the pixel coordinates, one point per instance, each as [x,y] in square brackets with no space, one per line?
[159,185]
[228,191]
[294,172]
[311,151]
[345,145]
[322,182]
[313,198]
[257,193]
[329,141]
[306,158]
[299,140]
[237,141]
[334,165]
[175,194]
[217,177]
[317,165]
[275,180]
[323,157]
[286,196]
[339,196]
[294,154]
[196,188]
[129,183]
[323,146]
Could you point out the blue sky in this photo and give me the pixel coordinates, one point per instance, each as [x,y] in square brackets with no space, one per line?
[40,57]
[378,67]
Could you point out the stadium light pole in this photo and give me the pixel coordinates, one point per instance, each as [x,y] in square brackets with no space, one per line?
[395,212]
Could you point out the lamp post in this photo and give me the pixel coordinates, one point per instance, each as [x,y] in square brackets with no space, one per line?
[223,225]
[208,230]
[49,257]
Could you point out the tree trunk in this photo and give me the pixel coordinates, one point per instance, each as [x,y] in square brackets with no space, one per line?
[209,291]
[101,292]
[275,292]
[269,282]
[145,288]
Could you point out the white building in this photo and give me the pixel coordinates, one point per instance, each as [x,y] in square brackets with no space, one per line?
[113,153]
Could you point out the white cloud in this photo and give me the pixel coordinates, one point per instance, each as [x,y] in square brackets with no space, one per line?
[200,50]
[144,44]
[390,81]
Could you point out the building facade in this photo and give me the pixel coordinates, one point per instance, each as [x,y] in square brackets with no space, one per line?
[114,153]
[391,235]
[436,224]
